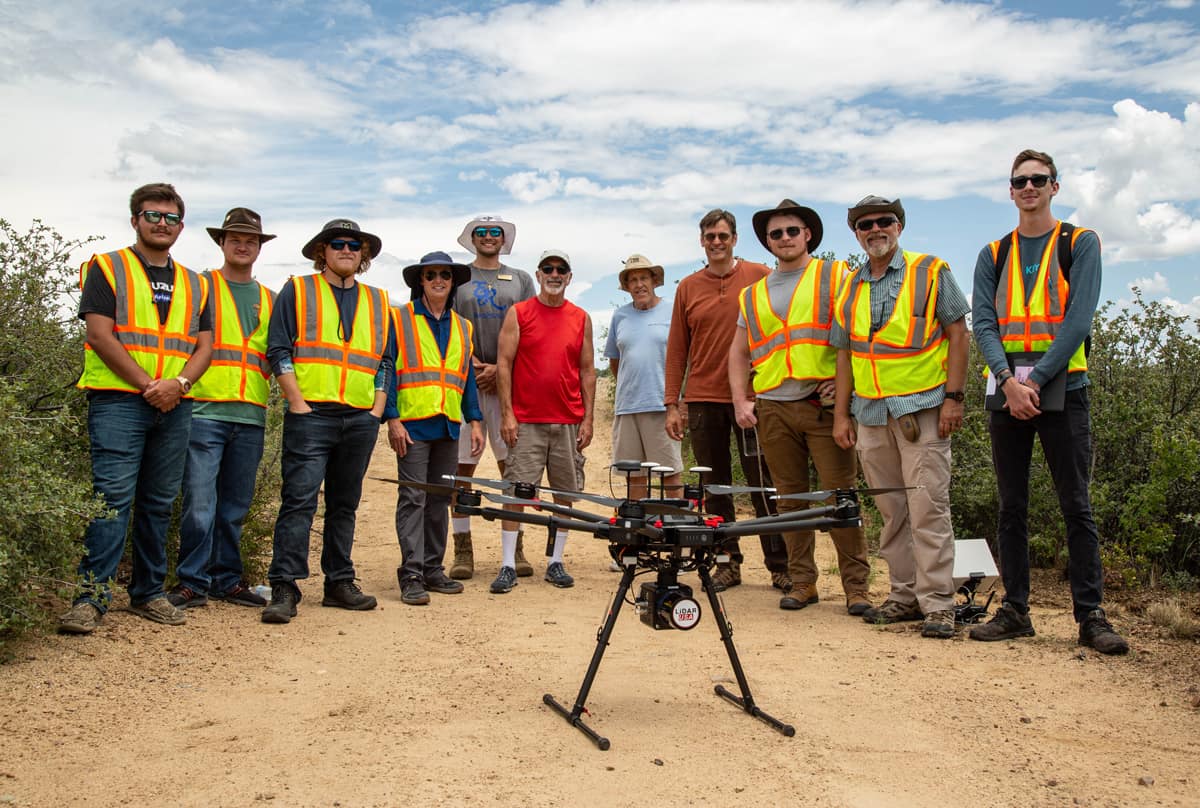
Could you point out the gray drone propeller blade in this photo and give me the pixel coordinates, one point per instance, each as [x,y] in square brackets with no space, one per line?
[499,485]
[719,489]
[596,498]
[433,488]
[818,496]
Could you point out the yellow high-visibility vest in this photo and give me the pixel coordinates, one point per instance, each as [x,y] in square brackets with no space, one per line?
[909,353]
[239,370]
[427,383]
[798,347]
[1031,327]
[159,348]
[328,367]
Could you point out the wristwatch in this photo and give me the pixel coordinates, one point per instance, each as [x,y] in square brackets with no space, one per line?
[184,383]
[956,395]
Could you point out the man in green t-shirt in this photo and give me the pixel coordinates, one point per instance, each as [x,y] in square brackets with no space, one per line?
[228,423]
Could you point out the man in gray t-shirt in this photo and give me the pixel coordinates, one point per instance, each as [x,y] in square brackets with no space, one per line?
[484,300]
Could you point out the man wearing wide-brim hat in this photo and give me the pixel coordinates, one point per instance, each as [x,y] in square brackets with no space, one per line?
[485,299]
[229,420]
[637,353]
[435,373]
[783,334]
[901,334]
[332,349]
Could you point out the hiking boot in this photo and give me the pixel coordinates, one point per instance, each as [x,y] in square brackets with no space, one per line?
[347,595]
[505,581]
[727,575]
[240,594]
[182,597]
[160,610]
[800,596]
[1096,632]
[82,618]
[463,566]
[442,585]
[556,574]
[412,592]
[892,612]
[524,568]
[857,603]
[283,604]
[781,581]
[1006,624]
[939,625]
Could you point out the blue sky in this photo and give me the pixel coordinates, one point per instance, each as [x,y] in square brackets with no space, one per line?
[607,128]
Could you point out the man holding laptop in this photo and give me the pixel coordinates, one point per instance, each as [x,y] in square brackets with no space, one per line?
[1035,295]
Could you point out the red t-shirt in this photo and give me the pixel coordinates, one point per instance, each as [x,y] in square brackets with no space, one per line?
[545,380]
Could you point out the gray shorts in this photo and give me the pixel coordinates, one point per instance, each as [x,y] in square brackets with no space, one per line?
[548,448]
[643,436]
[489,405]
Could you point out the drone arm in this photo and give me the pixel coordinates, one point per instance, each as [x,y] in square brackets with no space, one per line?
[735,529]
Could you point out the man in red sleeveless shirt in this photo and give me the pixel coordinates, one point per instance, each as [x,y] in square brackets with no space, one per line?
[546,380]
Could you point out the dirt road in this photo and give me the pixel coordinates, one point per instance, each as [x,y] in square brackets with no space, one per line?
[442,705]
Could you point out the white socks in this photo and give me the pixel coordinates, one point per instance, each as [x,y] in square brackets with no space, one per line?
[508,548]
[462,524]
[560,541]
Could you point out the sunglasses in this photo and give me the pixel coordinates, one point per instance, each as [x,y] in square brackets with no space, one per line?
[1039,181]
[482,232]
[154,217]
[551,269]
[339,244]
[883,222]
[433,274]
[721,237]
[777,233]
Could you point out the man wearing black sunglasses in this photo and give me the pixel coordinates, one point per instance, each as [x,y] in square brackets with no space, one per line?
[485,299]
[148,339]
[1049,261]
[901,334]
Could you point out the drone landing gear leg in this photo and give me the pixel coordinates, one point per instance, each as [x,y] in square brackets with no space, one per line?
[573,716]
[746,700]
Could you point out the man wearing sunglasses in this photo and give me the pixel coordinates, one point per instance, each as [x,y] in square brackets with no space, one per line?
[703,320]
[901,334]
[783,333]
[547,385]
[1021,281]
[333,352]
[493,289]
[148,339]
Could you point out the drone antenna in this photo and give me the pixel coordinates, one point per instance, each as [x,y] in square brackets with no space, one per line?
[700,471]
[662,472]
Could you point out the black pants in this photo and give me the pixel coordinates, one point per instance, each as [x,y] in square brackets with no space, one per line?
[710,424]
[1067,444]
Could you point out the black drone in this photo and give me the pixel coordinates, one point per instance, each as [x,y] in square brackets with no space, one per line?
[663,535]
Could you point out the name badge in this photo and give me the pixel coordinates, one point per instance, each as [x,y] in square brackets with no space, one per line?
[504,276]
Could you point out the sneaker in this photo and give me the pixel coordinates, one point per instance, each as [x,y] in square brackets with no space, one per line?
[800,596]
[781,581]
[82,618]
[442,585]
[556,574]
[283,604]
[892,611]
[413,593]
[240,594]
[505,581]
[939,625]
[347,595]
[857,604]
[524,568]
[1096,632]
[160,610]
[182,597]
[726,576]
[1006,624]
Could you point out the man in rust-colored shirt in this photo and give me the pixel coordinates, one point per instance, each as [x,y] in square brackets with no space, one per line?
[702,326]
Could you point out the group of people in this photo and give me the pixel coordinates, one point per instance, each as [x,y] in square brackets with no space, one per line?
[807,361]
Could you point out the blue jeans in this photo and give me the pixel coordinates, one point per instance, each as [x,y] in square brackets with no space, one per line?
[423,517]
[137,463]
[334,448]
[1066,439]
[218,484]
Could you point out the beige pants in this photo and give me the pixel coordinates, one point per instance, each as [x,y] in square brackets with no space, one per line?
[917,539]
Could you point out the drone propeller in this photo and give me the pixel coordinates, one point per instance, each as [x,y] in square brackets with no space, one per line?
[432,488]
[818,496]
[599,499]
[499,485]
[719,490]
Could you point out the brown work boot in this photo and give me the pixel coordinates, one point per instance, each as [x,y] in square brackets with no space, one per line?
[781,581]
[857,603]
[801,595]
[726,576]
[464,559]
[524,568]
